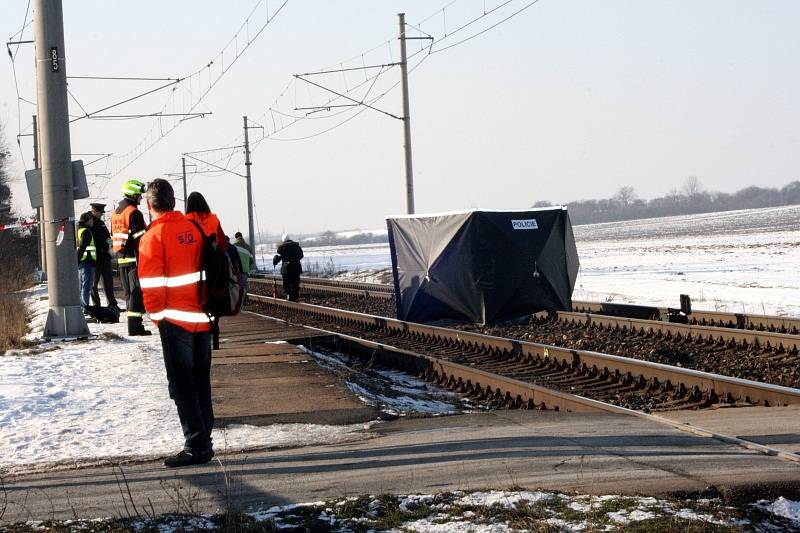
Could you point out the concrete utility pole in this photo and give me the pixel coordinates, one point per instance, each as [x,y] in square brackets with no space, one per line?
[39,210]
[183,165]
[249,188]
[65,317]
[406,116]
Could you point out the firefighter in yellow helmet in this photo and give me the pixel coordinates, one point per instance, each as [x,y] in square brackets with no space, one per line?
[127,227]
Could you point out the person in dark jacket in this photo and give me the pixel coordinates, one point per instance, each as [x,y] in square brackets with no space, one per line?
[86,255]
[234,255]
[102,267]
[246,259]
[290,254]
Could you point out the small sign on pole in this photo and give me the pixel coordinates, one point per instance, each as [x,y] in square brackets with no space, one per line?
[33,178]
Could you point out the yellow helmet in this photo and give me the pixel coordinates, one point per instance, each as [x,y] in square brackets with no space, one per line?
[133,188]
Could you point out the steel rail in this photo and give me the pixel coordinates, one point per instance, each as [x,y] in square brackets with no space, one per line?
[471,381]
[620,369]
[771,323]
[746,337]
[373,288]
[311,286]
[513,393]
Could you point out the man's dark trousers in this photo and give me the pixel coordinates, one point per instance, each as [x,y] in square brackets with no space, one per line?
[187,358]
[134,305]
[290,272]
[102,270]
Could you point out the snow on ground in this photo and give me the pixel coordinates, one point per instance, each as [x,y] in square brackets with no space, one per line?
[506,511]
[393,392]
[106,399]
[782,507]
[738,261]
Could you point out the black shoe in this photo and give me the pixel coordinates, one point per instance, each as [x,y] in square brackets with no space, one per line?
[184,458]
[142,333]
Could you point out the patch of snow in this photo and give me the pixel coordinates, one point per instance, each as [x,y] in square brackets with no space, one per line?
[505,499]
[782,507]
[390,390]
[580,507]
[105,399]
[427,525]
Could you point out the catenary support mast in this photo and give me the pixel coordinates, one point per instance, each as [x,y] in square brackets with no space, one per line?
[183,167]
[406,117]
[65,317]
[39,210]
[251,235]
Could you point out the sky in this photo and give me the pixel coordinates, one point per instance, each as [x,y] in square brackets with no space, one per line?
[566,100]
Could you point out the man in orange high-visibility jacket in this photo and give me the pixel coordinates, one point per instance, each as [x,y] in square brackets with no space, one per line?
[170,256]
[127,227]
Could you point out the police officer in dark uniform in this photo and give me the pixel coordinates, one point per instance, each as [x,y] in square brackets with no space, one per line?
[290,254]
[102,268]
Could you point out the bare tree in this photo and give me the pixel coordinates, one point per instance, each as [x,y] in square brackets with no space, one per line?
[692,187]
[625,196]
[5,178]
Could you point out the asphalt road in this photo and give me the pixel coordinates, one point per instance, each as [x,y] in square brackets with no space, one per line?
[560,451]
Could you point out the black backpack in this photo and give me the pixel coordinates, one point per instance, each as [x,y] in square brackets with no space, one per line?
[221,293]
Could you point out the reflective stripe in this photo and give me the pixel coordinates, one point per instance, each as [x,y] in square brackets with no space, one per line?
[134,314]
[123,236]
[126,260]
[183,316]
[138,234]
[174,281]
[186,279]
[151,283]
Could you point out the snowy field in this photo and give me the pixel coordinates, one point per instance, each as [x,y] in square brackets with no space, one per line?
[739,261]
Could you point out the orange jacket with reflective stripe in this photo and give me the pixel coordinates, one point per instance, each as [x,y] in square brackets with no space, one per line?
[211,226]
[120,224]
[170,272]
[127,227]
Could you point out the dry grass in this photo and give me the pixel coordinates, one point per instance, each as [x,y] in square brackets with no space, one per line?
[16,267]
[13,321]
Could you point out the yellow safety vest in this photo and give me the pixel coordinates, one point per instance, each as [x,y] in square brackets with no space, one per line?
[89,249]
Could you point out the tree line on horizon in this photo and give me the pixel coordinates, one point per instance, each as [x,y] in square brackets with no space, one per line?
[690,199]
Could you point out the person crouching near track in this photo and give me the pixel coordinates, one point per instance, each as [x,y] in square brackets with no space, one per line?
[170,256]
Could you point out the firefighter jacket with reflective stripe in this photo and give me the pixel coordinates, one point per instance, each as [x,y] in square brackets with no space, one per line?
[127,227]
[86,248]
[211,226]
[170,273]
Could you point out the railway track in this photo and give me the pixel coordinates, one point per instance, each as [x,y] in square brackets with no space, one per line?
[772,323]
[784,345]
[518,374]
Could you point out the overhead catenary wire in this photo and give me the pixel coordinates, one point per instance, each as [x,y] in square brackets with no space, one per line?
[514,14]
[144,146]
[273,111]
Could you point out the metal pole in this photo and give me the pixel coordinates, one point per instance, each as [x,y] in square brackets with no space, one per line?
[65,317]
[249,187]
[39,210]
[406,116]
[183,165]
